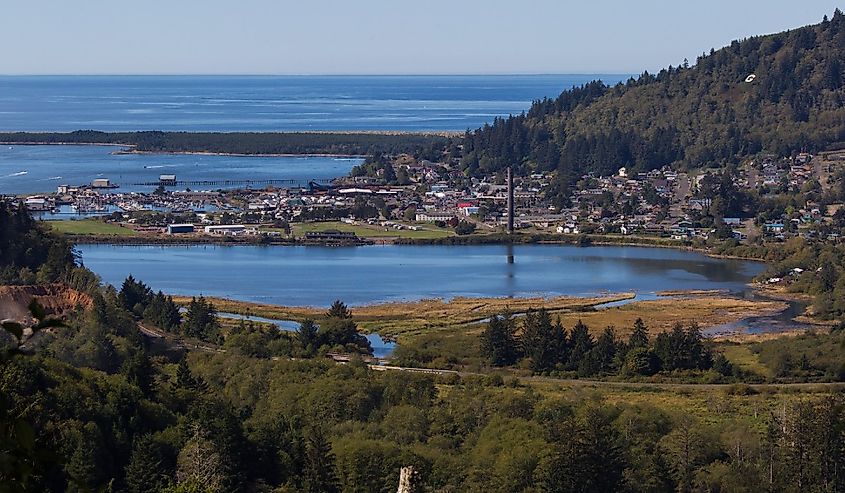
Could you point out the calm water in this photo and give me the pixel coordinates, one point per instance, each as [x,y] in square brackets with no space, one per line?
[34,169]
[360,275]
[381,348]
[290,103]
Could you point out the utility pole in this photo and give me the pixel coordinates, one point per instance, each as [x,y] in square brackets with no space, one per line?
[510,200]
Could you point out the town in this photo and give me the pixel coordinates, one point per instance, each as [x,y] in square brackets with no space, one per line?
[408,198]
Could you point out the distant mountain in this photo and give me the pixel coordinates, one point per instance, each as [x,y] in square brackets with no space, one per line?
[780,93]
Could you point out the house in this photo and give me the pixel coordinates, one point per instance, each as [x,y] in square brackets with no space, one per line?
[773,228]
[568,229]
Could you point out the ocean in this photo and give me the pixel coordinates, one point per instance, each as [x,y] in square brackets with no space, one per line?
[272,103]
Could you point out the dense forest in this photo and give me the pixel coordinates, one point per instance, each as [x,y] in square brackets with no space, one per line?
[548,346]
[28,253]
[92,404]
[358,144]
[709,113]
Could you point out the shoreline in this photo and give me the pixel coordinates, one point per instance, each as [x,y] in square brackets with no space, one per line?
[496,239]
[131,149]
[407,318]
[233,154]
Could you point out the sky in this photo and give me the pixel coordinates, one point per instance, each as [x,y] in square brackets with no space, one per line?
[379,36]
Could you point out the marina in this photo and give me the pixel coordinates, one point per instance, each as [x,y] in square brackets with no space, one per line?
[32,169]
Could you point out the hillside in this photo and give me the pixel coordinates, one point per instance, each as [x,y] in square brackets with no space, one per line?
[691,115]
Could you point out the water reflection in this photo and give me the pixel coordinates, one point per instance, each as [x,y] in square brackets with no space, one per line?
[312,276]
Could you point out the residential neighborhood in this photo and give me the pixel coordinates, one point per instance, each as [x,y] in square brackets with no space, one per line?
[429,199]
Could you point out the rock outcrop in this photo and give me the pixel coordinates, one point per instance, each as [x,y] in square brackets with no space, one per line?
[57,299]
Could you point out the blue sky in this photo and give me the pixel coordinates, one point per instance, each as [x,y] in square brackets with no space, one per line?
[378,36]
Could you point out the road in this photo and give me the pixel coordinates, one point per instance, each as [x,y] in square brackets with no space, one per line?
[682,191]
[564,382]
[585,383]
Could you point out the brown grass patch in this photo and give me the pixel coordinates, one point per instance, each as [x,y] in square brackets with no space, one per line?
[661,315]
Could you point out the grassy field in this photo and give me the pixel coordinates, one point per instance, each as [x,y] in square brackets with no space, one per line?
[660,315]
[410,319]
[90,227]
[372,231]
[711,405]
[445,334]
[742,356]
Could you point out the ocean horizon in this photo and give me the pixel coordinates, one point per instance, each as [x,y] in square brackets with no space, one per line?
[268,103]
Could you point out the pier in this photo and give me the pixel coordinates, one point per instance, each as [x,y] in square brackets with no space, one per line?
[201,183]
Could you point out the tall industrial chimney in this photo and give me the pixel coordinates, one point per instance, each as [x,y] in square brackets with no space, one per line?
[510,200]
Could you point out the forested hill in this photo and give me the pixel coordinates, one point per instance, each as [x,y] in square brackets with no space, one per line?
[693,115]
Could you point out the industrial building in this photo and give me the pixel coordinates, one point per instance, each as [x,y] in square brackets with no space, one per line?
[179,228]
[225,229]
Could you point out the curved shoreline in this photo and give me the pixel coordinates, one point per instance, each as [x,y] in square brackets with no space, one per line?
[451,241]
[757,289]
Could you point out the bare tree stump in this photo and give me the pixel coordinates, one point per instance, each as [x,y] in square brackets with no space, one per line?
[408,480]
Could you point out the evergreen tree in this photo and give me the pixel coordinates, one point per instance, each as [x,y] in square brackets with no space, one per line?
[319,475]
[134,295]
[722,366]
[560,344]
[338,310]
[163,312]
[307,336]
[605,350]
[683,349]
[340,330]
[185,379]
[580,342]
[498,341]
[639,337]
[538,340]
[587,455]
[201,320]
[640,361]
[139,371]
[147,471]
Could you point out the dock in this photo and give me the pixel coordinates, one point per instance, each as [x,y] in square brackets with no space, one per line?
[201,183]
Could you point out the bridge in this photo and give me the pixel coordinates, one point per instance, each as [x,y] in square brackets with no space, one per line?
[212,183]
